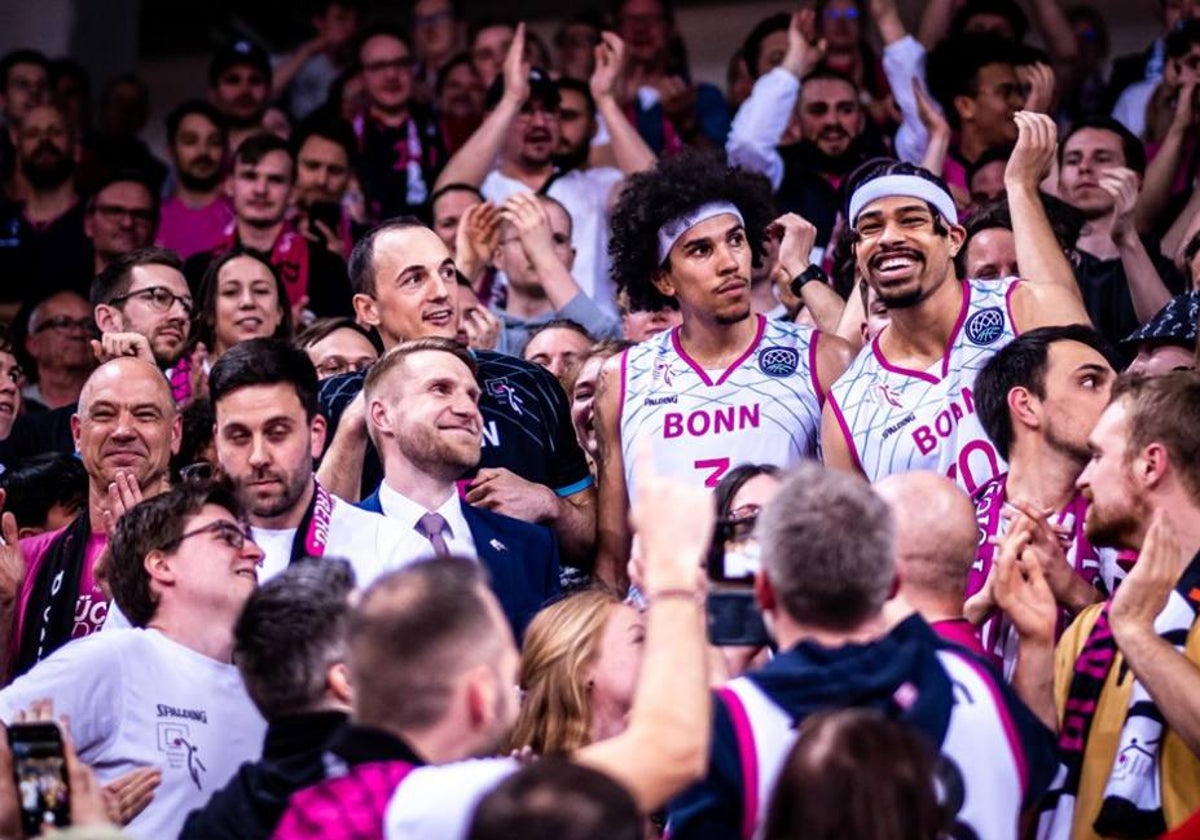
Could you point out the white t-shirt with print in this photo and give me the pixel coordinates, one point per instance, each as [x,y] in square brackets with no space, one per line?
[135,698]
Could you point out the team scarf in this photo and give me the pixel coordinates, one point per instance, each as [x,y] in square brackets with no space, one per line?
[179,376]
[289,256]
[314,526]
[409,157]
[50,610]
[1132,802]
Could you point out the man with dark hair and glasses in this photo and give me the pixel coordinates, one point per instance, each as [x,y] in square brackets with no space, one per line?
[142,308]
[125,428]
[182,568]
[121,217]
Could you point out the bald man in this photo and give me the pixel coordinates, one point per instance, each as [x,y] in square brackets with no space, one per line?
[936,541]
[126,428]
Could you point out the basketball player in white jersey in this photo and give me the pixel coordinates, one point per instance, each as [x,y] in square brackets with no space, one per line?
[906,402]
[1038,399]
[726,386]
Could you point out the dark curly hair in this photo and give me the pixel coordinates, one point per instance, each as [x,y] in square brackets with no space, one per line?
[678,185]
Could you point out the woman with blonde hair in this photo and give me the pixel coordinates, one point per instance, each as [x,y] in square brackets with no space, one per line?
[579,667]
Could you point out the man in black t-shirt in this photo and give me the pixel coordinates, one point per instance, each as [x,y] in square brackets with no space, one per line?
[532,467]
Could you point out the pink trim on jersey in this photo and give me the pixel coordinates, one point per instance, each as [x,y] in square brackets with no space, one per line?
[812,367]
[841,419]
[1008,306]
[1010,729]
[748,758]
[923,374]
[701,372]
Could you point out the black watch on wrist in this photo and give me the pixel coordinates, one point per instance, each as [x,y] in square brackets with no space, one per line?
[813,272]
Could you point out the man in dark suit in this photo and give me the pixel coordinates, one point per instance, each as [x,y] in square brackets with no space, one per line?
[423,416]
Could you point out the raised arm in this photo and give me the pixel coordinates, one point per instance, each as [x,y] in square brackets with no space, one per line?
[1160,172]
[471,164]
[935,22]
[612,520]
[763,118]
[1050,295]
[1055,30]
[796,236]
[1146,288]
[342,465]
[628,148]
[666,745]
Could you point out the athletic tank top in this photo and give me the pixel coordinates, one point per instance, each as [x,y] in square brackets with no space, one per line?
[764,409]
[896,420]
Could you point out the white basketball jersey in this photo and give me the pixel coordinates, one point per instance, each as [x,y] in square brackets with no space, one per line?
[897,420]
[764,409]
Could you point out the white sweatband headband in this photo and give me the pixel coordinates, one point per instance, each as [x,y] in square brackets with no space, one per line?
[905,185]
[671,231]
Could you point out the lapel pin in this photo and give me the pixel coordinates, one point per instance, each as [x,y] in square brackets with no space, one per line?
[499,546]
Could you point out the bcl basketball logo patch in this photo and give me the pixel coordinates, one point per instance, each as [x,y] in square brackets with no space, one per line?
[985,326]
[778,361]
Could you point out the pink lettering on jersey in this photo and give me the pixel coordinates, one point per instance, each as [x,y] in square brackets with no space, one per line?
[943,426]
[699,423]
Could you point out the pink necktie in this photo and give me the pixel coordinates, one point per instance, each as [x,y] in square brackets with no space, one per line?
[431,526]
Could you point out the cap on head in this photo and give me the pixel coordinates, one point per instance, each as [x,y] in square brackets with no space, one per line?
[235,53]
[541,87]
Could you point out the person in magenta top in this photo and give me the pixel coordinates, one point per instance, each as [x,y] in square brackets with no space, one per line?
[196,216]
[125,429]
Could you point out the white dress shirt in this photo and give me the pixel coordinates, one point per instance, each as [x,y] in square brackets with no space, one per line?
[406,513]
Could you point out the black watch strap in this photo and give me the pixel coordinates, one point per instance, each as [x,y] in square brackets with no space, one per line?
[813,272]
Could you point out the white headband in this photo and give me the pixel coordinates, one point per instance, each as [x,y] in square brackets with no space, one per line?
[905,185]
[671,231]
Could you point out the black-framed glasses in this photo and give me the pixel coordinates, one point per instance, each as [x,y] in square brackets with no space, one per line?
[739,525]
[160,297]
[406,62]
[234,536]
[200,471]
[64,322]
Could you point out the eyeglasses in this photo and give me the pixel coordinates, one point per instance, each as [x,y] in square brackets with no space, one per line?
[200,471]
[405,63]
[336,366]
[739,525]
[842,14]
[234,536]
[160,297]
[117,212]
[62,322]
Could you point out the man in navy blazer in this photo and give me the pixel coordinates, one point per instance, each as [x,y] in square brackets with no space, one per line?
[423,417]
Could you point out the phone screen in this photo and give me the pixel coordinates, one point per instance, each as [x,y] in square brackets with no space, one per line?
[41,776]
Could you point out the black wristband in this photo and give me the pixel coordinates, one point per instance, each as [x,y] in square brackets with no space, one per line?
[813,272]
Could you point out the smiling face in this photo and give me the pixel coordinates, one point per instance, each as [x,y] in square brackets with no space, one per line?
[126,421]
[416,287]
[266,446]
[247,303]
[900,254]
[206,571]
[830,115]
[708,271]
[583,403]
[613,678]
[428,410]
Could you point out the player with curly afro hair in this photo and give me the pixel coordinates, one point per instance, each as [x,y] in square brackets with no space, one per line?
[727,386]
[670,191]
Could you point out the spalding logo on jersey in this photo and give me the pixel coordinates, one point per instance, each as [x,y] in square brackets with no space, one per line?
[778,361]
[985,326]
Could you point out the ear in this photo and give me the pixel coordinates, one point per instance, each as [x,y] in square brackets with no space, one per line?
[764,593]
[29,531]
[663,282]
[377,417]
[958,235]
[160,567]
[317,434]
[1023,407]
[365,310]
[75,428]
[862,328]
[176,432]
[481,698]
[894,590]
[965,106]
[1152,467]
[227,187]
[109,319]
[337,684]
[89,228]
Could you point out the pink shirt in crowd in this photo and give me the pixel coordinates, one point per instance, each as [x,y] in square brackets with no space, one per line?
[190,230]
[90,609]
